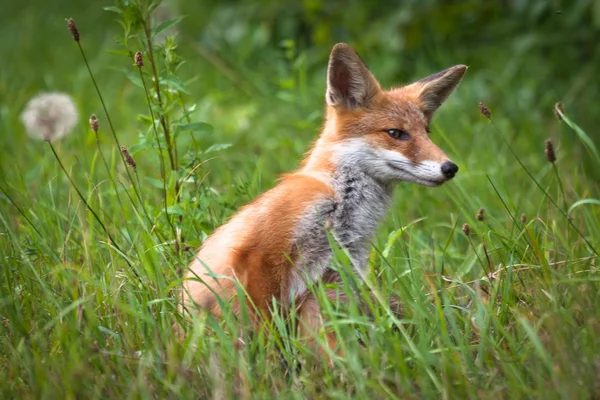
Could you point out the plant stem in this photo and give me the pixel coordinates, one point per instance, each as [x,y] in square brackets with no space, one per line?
[28,221]
[110,238]
[108,171]
[112,128]
[560,185]
[163,121]
[161,157]
[564,213]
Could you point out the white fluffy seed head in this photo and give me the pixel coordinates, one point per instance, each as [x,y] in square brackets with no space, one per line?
[49,116]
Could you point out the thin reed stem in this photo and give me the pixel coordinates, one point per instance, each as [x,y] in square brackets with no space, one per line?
[81,196]
[563,212]
[161,155]
[560,185]
[163,121]
[477,255]
[28,220]
[96,217]
[112,128]
[108,171]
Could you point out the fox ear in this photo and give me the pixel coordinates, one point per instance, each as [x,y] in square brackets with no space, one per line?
[435,89]
[350,84]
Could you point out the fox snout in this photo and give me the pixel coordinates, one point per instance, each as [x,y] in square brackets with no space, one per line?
[449,169]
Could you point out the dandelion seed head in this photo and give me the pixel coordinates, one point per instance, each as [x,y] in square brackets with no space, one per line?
[49,116]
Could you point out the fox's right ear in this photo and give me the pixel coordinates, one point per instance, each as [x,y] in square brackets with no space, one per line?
[350,84]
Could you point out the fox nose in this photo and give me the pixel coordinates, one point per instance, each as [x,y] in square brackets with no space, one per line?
[449,169]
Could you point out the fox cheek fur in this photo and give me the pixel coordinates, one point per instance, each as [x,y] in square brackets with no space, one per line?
[363,111]
[279,244]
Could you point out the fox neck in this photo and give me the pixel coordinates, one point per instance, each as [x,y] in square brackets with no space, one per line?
[362,201]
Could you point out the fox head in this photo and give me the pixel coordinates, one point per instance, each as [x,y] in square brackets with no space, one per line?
[386,132]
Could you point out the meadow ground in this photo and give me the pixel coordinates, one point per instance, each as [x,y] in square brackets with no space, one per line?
[87,299]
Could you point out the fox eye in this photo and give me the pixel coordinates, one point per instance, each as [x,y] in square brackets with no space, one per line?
[398,134]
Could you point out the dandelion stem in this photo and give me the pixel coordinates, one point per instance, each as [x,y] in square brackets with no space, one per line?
[81,195]
[110,238]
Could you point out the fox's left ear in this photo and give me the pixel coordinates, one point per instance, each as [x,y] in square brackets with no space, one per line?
[435,89]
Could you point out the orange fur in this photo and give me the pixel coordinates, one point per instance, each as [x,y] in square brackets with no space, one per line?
[254,247]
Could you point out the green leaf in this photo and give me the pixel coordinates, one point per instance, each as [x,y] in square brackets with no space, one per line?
[113,9]
[175,82]
[587,141]
[136,148]
[393,236]
[218,147]
[166,25]
[158,111]
[135,79]
[175,210]
[200,127]
[155,182]
[582,202]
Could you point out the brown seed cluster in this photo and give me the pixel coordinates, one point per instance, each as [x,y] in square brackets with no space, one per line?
[73,29]
[558,110]
[128,158]
[466,229]
[550,155]
[94,123]
[139,59]
[484,110]
[479,215]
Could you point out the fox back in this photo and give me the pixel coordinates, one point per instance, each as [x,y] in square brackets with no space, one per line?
[372,138]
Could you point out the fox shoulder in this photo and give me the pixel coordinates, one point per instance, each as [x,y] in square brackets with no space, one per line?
[267,224]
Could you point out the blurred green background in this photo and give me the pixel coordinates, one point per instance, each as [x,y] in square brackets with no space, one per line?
[256,69]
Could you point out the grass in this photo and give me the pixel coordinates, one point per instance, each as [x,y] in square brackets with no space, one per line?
[508,311]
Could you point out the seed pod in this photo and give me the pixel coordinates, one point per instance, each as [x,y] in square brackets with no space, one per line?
[73,29]
[94,123]
[128,158]
[480,214]
[139,59]
[484,110]
[466,229]
[558,110]
[550,155]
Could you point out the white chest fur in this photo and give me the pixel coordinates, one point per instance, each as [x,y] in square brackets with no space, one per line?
[352,217]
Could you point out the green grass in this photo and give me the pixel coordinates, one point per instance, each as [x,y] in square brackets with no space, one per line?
[510,311]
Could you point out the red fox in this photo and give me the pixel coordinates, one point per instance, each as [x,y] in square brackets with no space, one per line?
[278,245]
